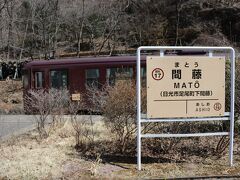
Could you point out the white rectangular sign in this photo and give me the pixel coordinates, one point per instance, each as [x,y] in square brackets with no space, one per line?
[185,86]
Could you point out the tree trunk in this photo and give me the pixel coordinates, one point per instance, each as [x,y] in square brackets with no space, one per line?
[81,30]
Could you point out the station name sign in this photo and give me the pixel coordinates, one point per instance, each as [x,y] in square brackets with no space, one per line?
[185,86]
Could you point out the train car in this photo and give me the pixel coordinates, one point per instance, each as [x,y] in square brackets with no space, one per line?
[78,74]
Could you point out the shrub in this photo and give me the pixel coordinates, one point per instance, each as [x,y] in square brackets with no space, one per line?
[44,103]
[118,106]
[120,113]
[2,112]
[16,110]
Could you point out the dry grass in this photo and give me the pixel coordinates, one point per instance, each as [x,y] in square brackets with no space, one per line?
[27,157]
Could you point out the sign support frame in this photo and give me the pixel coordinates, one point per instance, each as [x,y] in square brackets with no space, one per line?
[227,116]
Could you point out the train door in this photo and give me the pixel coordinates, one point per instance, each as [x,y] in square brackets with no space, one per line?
[38,78]
[76,79]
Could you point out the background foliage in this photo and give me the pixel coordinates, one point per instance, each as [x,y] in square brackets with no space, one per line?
[50,28]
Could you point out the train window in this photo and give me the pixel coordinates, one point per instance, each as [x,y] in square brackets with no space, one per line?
[92,77]
[25,79]
[143,76]
[115,74]
[39,79]
[59,79]
[143,72]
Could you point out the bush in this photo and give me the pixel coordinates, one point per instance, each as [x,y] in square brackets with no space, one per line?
[80,125]
[44,103]
[118,106]
[120,113]
[16,110]
[2,112]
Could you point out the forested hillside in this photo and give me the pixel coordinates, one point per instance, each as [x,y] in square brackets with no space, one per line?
[33,29]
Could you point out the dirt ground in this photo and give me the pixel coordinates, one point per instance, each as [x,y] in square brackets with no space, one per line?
[28,157]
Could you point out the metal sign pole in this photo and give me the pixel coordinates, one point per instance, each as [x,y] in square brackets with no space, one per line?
[232,106]
[139,108]
[227,116]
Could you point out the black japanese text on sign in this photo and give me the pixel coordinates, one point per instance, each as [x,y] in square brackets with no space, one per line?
[185,86]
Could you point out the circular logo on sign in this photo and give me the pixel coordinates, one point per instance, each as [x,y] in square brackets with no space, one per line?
[217,106]
[157,74]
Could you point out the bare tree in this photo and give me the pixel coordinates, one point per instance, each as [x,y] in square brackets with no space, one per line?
[113,12]
[11,5]
[179,7]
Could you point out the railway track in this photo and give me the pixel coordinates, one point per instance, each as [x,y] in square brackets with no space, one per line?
[206,177]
